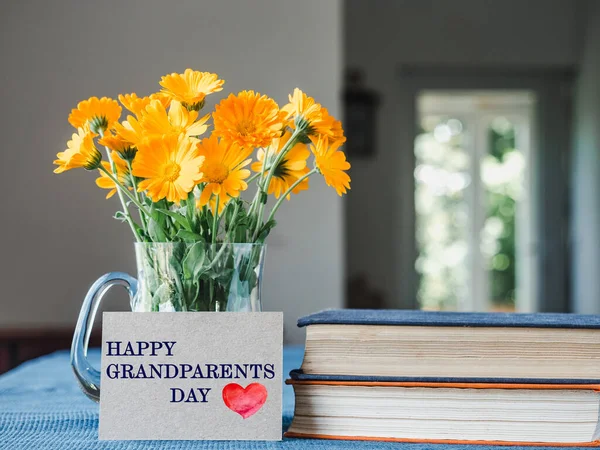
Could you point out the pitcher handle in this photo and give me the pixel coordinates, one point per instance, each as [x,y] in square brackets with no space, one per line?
[87,376]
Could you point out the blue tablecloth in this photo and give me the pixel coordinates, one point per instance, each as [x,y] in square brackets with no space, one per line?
[41,407]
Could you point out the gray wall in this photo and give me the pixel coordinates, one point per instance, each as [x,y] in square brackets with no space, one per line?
[57,231]
[586,173]
[456,34]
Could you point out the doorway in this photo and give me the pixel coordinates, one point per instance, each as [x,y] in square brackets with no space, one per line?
[474,218]
[527,113]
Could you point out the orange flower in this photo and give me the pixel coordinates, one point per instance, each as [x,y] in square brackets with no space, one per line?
[191,87]
[99,114]
[118,144]
[156,121]
[131,131]
[334,131]
[331,163]
[303,111]
[80,152]
[170,167]
[249,119]
[222,170]
[137,104]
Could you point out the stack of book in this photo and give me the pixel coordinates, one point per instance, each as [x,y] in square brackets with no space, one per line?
[441,377]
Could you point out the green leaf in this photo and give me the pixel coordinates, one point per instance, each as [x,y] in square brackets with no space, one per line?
[191,211]
[177,217]
[193,264]
[220,275]
[189,236]
[162,295]
[119,215]
[241,231]
[205,222]
[151,281]
[153,212]
[176,258]
[228,215]
[265,230]
[157,234]
[143,236]
[191,289]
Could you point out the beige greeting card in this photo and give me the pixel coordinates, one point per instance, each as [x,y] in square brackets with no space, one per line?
[191,376]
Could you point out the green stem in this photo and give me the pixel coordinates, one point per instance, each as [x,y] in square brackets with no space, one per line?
[288,146]
[234,220]
[265,161]
[119,194]
[215,221]
[215,224]
[216,258]
[261,174]
[264,186]
[289,191]
[258,191]
[137,196]
[121,188]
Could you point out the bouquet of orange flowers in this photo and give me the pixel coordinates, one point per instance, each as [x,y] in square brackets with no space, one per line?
[177,185]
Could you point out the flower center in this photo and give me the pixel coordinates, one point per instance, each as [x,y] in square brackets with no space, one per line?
[171,171]
[216,173]
[246,127]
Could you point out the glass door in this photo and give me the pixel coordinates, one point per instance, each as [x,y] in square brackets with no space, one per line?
[474,219]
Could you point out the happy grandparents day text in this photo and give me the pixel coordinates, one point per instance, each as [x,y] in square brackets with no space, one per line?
[177,371]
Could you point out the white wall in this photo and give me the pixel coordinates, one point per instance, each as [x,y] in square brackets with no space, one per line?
[383,35]
[57,231]
[586,173]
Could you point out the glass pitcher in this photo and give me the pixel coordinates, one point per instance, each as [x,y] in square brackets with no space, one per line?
[172,277]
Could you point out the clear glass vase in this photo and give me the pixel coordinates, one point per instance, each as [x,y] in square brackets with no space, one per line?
[173,277]
[198,277]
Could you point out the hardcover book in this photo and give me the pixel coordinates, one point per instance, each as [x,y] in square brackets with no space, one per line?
[451,413]
[426,346]
[445,377]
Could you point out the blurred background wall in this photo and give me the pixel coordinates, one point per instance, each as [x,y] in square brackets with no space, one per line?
[585,170]
[57,231]
[58,234]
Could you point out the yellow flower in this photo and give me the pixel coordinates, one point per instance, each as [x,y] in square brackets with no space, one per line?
[301,105]
[156,121]
[310,115]
[80,152]
[117,143]
[291,168]
[249,119]
[131,131]
[191,87]
[137,104]
[223,169]
[334,130]
[99,114]
[170,167]
[163,98]
[105,182]
[331,163]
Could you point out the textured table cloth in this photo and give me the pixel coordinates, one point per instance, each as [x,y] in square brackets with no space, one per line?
[41,407]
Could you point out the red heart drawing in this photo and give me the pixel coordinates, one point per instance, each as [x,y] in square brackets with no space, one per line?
[246,401]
